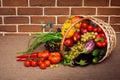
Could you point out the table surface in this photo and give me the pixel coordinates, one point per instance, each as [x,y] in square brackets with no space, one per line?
[10,69]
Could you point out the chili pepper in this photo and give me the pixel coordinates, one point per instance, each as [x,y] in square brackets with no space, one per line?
[21,59]
[101,40]
[25,56]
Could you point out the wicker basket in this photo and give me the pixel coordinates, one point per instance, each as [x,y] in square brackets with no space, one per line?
[108,30]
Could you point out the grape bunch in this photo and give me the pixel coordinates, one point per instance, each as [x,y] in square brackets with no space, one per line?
[88,36]
[53,45]
[75,50]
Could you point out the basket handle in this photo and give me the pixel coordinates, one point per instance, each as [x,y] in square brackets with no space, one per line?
[63,39]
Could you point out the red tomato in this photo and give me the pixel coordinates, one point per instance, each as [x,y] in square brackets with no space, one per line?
[90,28]
[84,25]
[40,54]
[83,30]
[68,42]
[44,54]
[40,62]
[47,62]
[99,30]
[33,63]
[27,63]
[42,66]
[95,29]
[54,57]
[76,36]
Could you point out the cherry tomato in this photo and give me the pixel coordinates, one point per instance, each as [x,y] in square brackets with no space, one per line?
[44,54]
[40,62]
[47,62]
[84,25]
[40,54]
[42,66]
[27,63]
[54,57]
[95,29]
[99,30]
[90,28]
[83,30]
[33,63]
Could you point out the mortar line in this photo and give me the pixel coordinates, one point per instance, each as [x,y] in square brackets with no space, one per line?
[109,3]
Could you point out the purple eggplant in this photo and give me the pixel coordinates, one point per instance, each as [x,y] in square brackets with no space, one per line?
[89,46]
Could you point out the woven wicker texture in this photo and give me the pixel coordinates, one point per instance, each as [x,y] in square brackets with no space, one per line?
[108,30]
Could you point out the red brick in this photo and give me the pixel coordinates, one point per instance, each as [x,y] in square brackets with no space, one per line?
[7,11]
[0,20]
[83,11]
[1,34]
[69,2]
[61,20]
[37,20]
[15,2]
[96,2]
[105,19]
[30,11]
[115,2]
[0,2]
[16,20]
[56,11]
[115,20]
[42,2]
[7,28]
[116,28]
[30,28]
[108,11]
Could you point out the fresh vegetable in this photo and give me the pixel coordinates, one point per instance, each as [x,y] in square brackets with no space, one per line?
[89,46]
[76,36]
[43,66]
[82,60]
[95,60]
[75,18]
[47,63]
[99,30]
[42,38]
[54,57]
[101,40]
[96,52]
[84,25]
[82,30]
[44,54]
[53,45]
[90,28]
[68,42]
[33,63]
[25,56]
[27,63]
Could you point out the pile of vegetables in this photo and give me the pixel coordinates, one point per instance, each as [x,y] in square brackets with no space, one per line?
[85,44]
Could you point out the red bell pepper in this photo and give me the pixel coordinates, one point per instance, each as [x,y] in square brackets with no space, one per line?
[101,40]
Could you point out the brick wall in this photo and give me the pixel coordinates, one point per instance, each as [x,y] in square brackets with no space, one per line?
[24,16]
